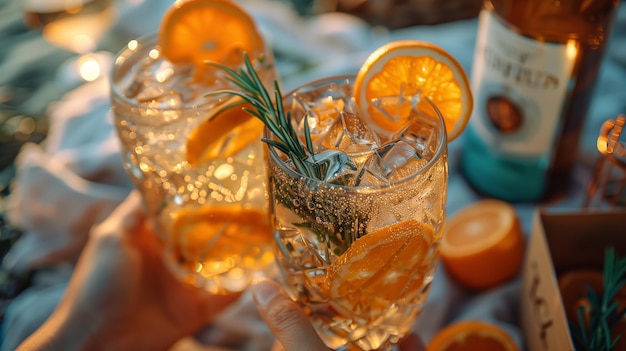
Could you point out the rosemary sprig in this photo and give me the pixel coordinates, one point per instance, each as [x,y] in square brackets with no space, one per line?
[594,333]
[272,114]
[337,234]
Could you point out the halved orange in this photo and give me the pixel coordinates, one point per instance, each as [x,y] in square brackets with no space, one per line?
[223,134]
[483,244]
[409,67]
[472,335]
[383,265]
[219,233]
[196,31]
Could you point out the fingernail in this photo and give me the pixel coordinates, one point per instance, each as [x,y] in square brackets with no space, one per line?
[263,292]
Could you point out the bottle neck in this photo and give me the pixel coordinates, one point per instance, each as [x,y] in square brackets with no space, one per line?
[557,21]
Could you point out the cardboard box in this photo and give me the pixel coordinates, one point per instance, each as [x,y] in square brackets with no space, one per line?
[560,242]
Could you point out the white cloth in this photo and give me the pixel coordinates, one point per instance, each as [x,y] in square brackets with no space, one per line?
[75,178]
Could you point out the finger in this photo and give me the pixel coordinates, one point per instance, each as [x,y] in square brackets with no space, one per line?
[285,318]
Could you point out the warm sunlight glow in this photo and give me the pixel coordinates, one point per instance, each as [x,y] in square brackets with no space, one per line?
[80,33]
[89,68]
[572,49]
[133,44]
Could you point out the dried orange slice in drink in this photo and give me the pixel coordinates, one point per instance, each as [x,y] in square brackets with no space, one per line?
[408,67]
[483,244]
[195,31]
[472,335]
[382,266]
[219,237]
[223,134]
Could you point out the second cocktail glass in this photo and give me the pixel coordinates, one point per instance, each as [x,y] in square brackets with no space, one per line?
[358,248]
[209,207]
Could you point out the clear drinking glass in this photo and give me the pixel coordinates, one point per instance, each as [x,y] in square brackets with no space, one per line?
[210,215]
[358,249]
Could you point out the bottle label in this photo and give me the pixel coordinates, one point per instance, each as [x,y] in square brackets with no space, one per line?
[521,85]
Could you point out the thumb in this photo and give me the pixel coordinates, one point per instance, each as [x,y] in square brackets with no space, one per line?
[285,318]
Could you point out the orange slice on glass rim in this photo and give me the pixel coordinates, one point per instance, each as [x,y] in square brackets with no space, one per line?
[381,266]
[471,335]
[196,31]
[408,67]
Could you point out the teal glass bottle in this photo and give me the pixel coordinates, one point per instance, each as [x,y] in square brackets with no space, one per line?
[533,76]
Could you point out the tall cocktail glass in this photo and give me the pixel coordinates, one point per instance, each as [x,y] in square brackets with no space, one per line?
[210,210]
[358,248]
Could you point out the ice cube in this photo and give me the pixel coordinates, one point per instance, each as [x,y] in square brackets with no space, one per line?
[397,155]
[372,173]
[392,161]
[398,108]
[150,93]
[318,117]
[321,104]
[154,70]
[156,99]
[333,164]
[349,134]
[422,133]
[395,108]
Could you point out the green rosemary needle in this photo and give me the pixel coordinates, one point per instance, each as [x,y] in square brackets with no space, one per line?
[594,333]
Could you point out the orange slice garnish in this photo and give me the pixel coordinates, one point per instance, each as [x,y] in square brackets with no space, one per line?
[196,31]
[224,134]
[380,267]
[408,67]
[472,335]
[220,237]
[483,244]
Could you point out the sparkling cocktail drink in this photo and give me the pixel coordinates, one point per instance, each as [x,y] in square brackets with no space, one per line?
[357,247]
[209,203]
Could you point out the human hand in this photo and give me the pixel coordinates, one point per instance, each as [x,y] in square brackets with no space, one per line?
[291,326]
[122,297]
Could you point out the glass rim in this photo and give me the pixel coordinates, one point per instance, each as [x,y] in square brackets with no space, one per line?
[147,42]
[144,43]
[441,147]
